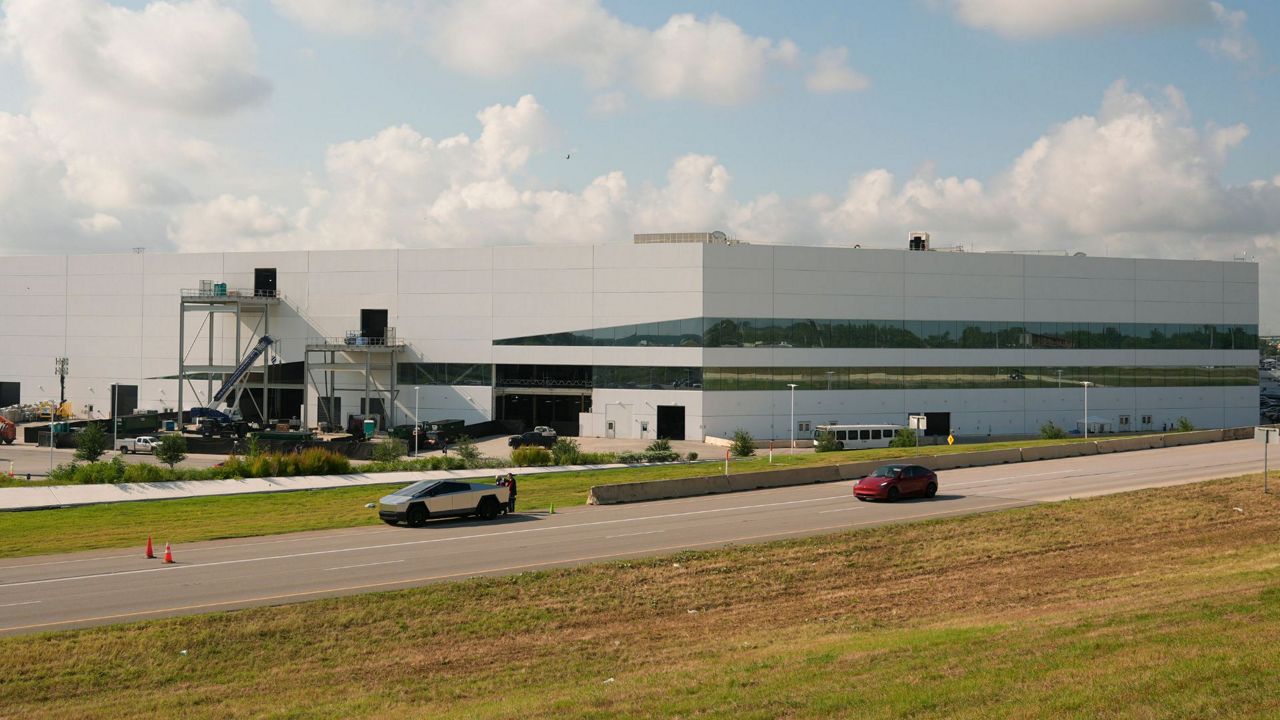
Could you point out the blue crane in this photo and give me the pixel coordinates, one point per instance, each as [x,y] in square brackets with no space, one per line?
[232,380]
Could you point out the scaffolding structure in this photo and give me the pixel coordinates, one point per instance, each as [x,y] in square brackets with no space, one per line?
[213,300]
[353,353]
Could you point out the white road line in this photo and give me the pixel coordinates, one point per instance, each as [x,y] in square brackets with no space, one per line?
[408,543]
[29,602]
[348,567]
[843,509]
[647,532]
[410,582]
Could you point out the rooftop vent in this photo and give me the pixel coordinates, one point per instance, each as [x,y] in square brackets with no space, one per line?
[715,237]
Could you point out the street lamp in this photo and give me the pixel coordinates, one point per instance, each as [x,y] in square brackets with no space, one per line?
[416,427]
[1086,385]
[115,420]
[829,374]
[793,418]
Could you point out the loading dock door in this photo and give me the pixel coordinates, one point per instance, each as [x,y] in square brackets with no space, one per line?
[671,422]
[264,282]
[373,323]
[938,423]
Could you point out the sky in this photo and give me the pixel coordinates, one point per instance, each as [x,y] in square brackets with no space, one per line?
[1137,128]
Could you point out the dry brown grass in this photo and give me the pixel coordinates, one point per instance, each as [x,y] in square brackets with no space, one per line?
[1069,604]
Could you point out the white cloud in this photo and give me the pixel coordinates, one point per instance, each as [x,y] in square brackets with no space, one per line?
[189,58]
[1136,177]
[1235,43]
[710,59]
[229,223]
[610,103]
[832,74]
[115,95]
[1024,19]
[344,17]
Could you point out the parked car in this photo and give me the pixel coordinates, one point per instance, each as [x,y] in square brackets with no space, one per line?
[533,437]
[140,444]
[428,499]
[891,482]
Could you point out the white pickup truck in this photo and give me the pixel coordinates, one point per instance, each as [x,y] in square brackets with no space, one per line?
[141,444]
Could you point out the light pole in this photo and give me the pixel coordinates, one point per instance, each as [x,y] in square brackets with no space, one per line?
[115,421]
[793,418]
[1086,385]
[416,427]
[829,374]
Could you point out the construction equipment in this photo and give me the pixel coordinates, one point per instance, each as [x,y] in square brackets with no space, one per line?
[47,410]
[213,421]
[8,431]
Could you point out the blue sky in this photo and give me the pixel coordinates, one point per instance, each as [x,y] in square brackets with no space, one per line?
[1127,127]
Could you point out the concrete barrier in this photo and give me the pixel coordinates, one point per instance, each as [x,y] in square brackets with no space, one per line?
[858,470]
[1146,442]
[1055,452]
[1194,437]
[983,458]
[690,487]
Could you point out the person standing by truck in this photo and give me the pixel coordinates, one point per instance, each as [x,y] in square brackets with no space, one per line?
[511,499]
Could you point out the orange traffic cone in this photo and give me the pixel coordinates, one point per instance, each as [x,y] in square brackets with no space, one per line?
[168,553]
[151,554]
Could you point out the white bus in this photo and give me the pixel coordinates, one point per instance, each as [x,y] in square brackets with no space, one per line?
[859,437]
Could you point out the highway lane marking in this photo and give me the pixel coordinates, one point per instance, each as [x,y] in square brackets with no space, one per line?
[335,533]
[647,532]
[348,567]
[1085,473]
[407,543]
[843,509]
[507,569]
[29,602]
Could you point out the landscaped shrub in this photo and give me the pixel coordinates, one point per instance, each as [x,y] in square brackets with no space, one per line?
[826,442]
[691,456]
[597,458]
[659,445]
[905,438]
[1050,431]
[530,456]
[566,451]
[648,456]
[172,449]
[391,449]
[91,442]
[743,444]
[1183,425]
[464,448]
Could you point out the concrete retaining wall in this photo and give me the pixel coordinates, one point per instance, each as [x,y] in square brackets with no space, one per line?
[1196,437]
[691,487]
[1055,452]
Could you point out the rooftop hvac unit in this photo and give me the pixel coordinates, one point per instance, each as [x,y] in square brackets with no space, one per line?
[919,241]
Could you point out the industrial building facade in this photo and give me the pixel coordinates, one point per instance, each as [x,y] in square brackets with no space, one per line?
[651,339]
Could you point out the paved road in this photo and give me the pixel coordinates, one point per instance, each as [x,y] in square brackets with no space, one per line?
[34,460]
[65,591]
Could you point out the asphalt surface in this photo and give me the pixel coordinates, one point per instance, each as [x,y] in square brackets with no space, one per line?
[113,586]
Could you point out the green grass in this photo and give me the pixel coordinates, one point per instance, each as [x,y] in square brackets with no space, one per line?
[1102,608]
[210,518]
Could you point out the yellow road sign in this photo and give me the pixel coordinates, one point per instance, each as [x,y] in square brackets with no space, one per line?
[951,439]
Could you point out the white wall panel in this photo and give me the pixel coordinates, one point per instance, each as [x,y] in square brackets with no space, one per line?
[337,261]
[446,281]
[961,308]
[646,307]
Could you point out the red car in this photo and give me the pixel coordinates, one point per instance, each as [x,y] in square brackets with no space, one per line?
[891,482]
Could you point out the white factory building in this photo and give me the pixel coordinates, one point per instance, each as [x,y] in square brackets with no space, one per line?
[682,336]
